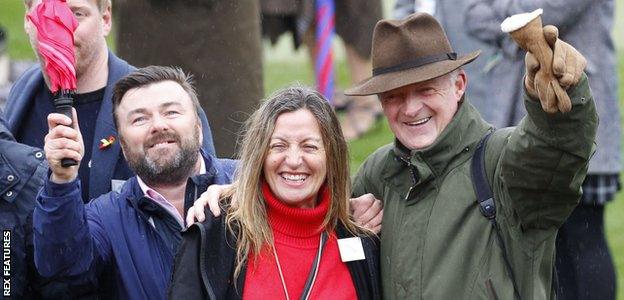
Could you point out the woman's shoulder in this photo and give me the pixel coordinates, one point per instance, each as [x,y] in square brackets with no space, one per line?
[209,229]
[369,239]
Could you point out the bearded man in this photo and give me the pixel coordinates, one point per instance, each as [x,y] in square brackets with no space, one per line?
[124,242]
[97,70]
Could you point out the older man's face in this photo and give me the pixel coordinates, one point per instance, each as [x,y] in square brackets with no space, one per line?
[418,113]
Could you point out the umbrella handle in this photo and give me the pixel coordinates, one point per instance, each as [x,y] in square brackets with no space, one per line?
[63,105]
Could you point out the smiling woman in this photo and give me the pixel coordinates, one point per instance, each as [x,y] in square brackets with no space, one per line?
[295,165]
[290,235]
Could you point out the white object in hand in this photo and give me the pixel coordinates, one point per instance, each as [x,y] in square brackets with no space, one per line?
[518,21]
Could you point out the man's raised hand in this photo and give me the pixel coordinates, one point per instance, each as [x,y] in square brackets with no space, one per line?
[567,67]
[63,141]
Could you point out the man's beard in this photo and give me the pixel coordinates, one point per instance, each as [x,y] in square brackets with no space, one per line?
[173,169]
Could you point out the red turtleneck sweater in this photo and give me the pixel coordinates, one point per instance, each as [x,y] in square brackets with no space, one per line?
[297,234]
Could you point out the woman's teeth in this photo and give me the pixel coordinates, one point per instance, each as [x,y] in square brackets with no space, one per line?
[292,177]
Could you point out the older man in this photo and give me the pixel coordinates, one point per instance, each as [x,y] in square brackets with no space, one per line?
[97,69]
[436,242]
[124,242]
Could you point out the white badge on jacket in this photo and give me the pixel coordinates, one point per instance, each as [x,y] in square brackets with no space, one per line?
[351,249]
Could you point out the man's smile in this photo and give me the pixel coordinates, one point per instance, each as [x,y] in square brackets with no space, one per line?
[418,122]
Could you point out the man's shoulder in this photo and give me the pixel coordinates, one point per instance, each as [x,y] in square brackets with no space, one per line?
[23,170]
[20,153]
[227,167]
[371,170]
[118,67]
[378,158]
[28,74]
[19,161]
[115,201]
[221,169]
[30,79]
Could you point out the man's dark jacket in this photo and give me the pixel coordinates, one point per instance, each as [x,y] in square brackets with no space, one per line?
[205,263]
[121,243]
[22,172]
[106,164]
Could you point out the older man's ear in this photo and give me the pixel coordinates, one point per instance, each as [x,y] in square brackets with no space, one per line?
[460,84]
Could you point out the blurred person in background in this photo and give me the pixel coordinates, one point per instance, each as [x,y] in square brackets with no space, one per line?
[584,265]
[354,23]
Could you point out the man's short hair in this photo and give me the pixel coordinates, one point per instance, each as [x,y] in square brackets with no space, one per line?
[102,4]
[149,75]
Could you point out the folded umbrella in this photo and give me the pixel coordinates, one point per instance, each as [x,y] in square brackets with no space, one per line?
[55,24]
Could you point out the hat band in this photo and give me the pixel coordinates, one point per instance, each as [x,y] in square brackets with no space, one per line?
[424,60]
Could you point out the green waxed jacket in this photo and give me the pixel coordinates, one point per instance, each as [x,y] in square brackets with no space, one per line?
[435,243]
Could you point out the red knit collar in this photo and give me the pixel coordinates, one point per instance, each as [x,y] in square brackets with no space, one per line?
[296,222]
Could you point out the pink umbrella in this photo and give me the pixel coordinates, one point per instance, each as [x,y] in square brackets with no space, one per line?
[56,24]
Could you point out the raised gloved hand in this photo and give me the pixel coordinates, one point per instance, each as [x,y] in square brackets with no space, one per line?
[567,66]
[551,64]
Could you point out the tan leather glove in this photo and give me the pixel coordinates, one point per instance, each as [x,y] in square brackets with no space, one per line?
[567,67]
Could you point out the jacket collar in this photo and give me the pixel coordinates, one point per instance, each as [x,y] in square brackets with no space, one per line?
[454,142]
[102,160]
[20,101]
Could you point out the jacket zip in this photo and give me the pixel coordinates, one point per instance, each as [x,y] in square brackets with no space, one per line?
[413,174]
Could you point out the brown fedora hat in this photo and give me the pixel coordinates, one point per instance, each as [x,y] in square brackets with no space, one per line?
[408,51]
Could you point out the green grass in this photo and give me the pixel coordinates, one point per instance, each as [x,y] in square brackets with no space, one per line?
[11,18]
[284,67]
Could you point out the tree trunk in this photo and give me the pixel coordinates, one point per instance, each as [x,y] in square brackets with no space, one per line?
[218,41]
